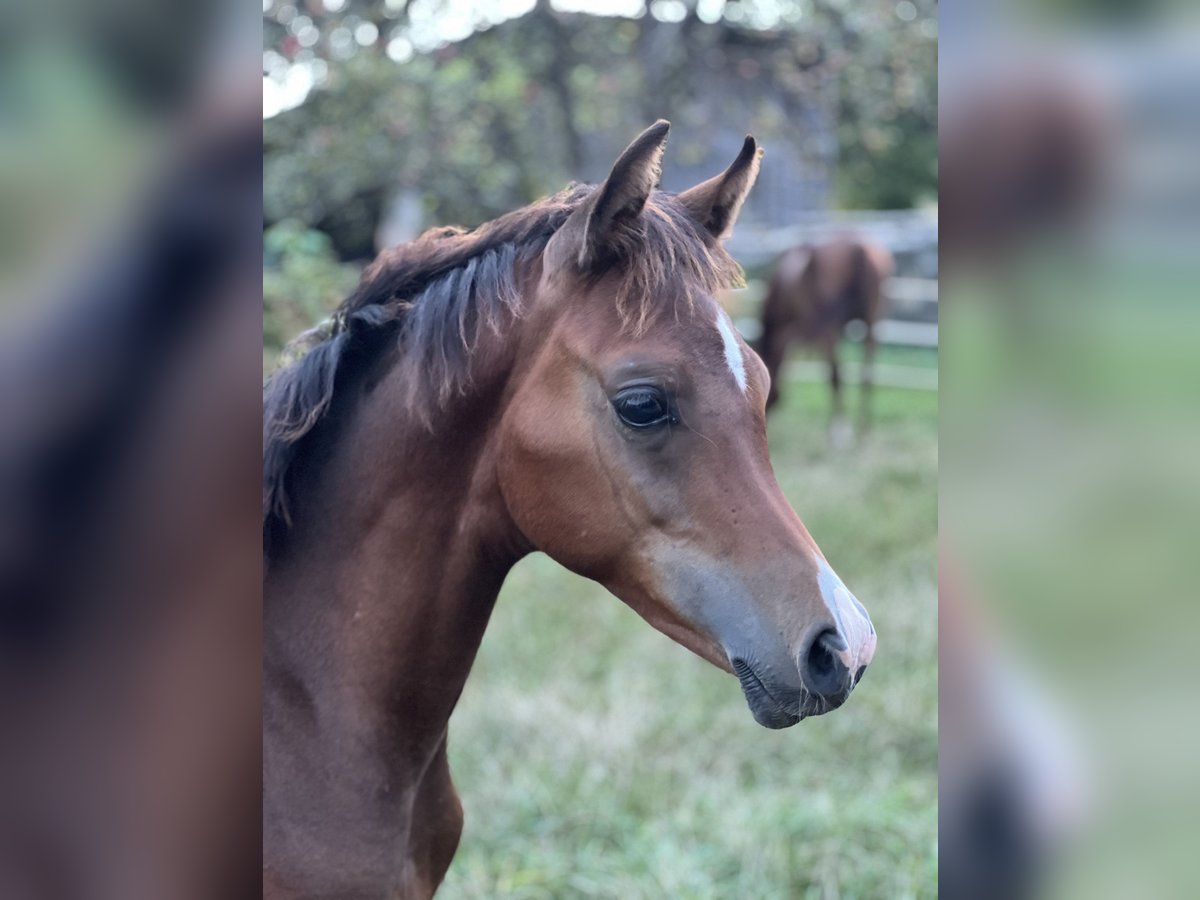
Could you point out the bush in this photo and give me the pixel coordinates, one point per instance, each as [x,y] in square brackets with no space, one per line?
[303,282]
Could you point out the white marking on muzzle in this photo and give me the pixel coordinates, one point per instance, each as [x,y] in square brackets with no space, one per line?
[733,350]
[853,623]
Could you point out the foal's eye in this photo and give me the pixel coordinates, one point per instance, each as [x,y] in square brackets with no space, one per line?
[643,407]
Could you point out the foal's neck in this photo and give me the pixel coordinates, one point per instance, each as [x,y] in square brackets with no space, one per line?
[371,623]
[374,615]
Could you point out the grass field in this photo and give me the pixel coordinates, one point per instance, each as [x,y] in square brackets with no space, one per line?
[596,758]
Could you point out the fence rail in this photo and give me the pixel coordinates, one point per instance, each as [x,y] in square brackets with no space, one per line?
[912,318]
[904,232]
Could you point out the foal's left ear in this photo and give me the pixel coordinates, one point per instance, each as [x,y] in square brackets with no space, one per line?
[715,203]
[616,203]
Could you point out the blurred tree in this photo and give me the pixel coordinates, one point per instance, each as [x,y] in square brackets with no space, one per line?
[886,101]
[478,107]
[303,282]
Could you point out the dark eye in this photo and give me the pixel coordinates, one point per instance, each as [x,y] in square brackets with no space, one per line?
[643,407]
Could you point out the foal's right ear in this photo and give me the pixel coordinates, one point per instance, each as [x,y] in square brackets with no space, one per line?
[715,204]
[607,214]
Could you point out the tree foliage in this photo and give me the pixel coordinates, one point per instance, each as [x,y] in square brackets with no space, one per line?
[475,116]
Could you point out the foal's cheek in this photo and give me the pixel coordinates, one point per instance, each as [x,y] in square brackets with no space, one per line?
[555,486]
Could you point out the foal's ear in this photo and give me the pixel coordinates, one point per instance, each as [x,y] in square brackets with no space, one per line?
[621,198]
[715,203]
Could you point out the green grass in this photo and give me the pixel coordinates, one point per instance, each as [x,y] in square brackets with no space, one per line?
[889,354]
[596,758]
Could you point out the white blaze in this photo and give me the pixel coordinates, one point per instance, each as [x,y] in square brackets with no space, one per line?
[733,350]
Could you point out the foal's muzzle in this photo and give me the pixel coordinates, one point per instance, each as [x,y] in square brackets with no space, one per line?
[833,654]
[844,649]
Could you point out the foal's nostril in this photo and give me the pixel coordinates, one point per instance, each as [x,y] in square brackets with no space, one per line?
[822,662]
[833,641]
[823,673]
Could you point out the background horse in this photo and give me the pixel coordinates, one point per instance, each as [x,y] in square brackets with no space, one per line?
[1022,157]
[561,379]
[814,292]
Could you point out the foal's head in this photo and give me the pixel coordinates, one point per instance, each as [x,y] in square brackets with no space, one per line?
[634,445]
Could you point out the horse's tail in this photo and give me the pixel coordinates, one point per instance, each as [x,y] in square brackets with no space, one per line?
[780,306]
[783,290]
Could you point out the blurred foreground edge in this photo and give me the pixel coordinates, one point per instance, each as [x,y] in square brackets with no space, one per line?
[130,568]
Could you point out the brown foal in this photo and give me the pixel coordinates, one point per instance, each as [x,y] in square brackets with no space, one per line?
[561,379]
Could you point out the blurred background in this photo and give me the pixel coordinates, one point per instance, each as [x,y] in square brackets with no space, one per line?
[578,777]
[385,118]
[1070,211]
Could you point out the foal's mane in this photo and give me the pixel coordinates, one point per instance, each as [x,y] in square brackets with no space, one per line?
[438,296]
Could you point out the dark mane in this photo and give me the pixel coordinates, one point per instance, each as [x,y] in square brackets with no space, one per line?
[437,296]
